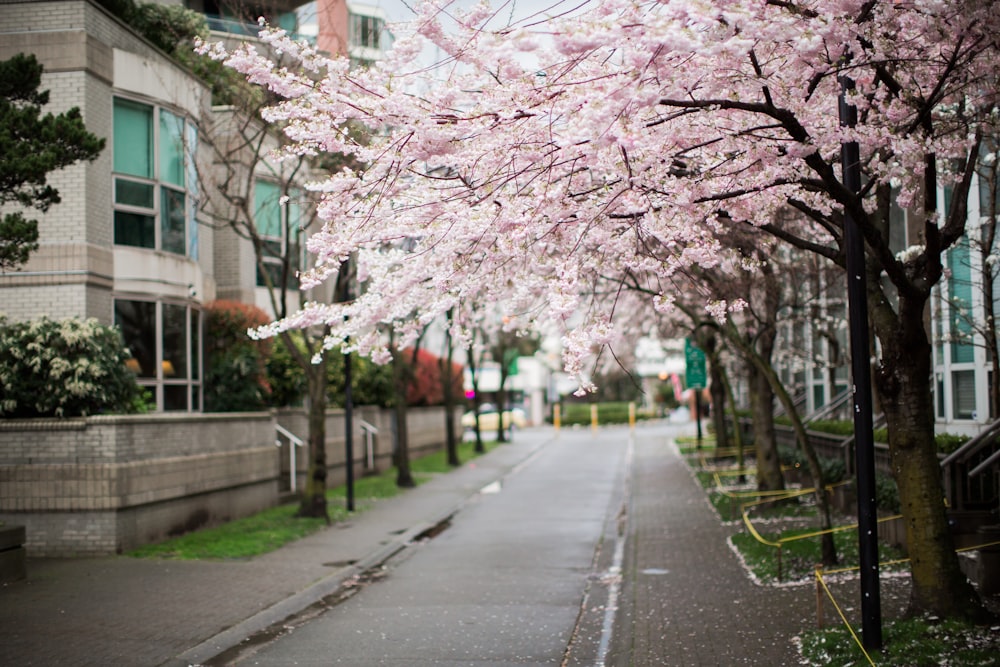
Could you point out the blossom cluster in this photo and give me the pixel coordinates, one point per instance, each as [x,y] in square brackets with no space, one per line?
[545,161]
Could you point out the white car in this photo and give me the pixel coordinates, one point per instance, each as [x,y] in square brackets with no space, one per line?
[489,418]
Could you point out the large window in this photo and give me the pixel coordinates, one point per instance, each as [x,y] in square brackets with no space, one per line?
[155,182]
[165,342]
[365,31]
[278,222]
[960,303]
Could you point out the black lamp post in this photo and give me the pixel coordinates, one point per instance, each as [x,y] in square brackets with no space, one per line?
[864,445]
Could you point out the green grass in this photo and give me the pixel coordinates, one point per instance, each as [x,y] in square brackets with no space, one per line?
[729,508]
[438,461]
[268,530]
[799,557]
[243,538]
[919,642]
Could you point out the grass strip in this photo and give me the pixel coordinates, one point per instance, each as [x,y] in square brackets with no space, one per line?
[915,642]
[799,557]
[268,530]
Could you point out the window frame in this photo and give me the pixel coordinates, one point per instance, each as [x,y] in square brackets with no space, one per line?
[168,377]
[163,228]
[289,237]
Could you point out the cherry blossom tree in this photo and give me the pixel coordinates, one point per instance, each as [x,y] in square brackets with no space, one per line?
[541,152]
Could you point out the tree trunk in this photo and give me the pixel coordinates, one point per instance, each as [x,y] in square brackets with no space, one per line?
[447,377]
[401,454]
[827,547]
[717,390]
[737,431]
[479,448]
[769,477]
[501,408]
[313,500]
[903,382]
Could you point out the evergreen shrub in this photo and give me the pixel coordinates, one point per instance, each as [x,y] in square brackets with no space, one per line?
[235,379]
[64,368]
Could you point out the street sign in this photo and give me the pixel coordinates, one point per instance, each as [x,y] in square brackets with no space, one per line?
[694,360]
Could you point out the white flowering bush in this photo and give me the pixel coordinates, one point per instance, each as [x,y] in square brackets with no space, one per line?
[64,368]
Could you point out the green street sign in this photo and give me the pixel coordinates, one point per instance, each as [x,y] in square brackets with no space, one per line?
[694,360]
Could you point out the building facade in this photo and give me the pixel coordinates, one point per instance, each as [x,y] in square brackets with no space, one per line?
[143,238]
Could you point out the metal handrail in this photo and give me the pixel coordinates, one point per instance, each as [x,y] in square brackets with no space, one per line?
[295,442]
[370,433]
[829,408]
[974,444]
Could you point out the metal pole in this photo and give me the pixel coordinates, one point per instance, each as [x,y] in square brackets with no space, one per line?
[854,244]
[697,413]
[348,433]
[348,401]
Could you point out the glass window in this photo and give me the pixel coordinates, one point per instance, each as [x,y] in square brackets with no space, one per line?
[939,391]
[195,347]
[133,137]
[191,144]
[144,218]
[175,342]
[165,341]
[172,152]
[137,321]
[279,226]
[267,212]
[173,217]
[963,394]
[819,396]
[135,229]
[134,193]
[960,303]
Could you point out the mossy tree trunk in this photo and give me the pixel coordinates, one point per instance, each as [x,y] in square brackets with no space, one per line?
[903,383]
[313,500]
[401,455]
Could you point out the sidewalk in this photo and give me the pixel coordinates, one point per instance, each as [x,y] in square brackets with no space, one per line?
[687,597]
[126,611]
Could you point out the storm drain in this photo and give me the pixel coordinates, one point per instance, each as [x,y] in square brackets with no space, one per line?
[435,530]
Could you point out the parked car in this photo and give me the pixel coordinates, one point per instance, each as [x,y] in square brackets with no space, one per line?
[489,418]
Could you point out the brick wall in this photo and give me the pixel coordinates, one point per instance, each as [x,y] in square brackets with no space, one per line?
[108,484]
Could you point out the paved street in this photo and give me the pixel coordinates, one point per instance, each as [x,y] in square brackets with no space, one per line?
[502,585]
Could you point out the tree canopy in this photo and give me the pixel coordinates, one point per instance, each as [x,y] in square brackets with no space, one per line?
[547,157]
[32,146]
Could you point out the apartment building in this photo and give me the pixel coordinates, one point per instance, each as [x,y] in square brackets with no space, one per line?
[139,239]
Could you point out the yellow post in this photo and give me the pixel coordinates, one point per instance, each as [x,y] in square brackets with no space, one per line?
[631,415]
[593,416]
[819,596]
[556,416]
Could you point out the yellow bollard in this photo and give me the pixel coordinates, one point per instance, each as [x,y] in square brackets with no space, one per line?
[593,417]
[556,416]
[631,415]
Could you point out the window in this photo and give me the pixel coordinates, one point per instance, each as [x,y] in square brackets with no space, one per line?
[155,180]
[365,31]
[165,342]
[963,394]
[960,303]
[279,227]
